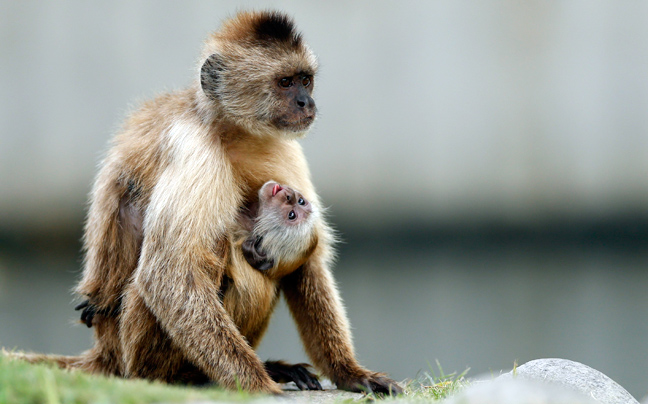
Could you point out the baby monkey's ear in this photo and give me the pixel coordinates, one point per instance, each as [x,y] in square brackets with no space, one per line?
[254,255]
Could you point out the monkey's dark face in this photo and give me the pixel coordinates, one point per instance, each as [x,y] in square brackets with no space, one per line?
[287,205]
[297,111]
[263,99]
[258,72]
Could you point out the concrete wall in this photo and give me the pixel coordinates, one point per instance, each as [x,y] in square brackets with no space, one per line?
[439,110]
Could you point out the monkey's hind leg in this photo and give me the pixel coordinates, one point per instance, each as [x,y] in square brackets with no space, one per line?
[147,350]
[105,356]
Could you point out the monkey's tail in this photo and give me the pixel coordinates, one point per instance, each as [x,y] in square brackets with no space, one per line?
[64,362]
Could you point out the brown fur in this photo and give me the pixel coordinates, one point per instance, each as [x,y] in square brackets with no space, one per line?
[178,171]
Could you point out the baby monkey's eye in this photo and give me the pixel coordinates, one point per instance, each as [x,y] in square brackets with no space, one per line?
[306,81]
[301,201]
[292,215]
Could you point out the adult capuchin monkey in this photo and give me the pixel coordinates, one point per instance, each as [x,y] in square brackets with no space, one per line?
[271,239]
[166,200]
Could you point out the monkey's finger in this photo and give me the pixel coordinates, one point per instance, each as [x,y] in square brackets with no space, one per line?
[309,378]
[82,305]
[300,384]
[361,386]
[315,385]
[299,378]
[385,386]
[87,315]
[88,321]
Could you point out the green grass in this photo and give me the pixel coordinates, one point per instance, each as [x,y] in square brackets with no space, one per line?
[426,388]
[430,386]
[24,383]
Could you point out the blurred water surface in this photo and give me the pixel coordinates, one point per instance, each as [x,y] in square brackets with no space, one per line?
[481,305]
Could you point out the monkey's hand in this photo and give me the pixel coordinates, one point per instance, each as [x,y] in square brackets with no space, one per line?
[370,382]
[88,313]
[282,372]
[255,256]
[90,310]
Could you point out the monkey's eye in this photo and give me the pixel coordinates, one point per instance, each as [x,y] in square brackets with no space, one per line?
[306,81]
[292,215]
[301,201]
[285,82]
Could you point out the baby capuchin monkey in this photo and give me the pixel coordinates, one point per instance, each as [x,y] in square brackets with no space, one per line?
[280,227]
[274,236]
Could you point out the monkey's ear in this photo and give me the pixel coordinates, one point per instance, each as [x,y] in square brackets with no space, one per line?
[210,75]
[255,256]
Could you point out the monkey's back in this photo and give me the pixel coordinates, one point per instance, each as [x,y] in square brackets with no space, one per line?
[120,195]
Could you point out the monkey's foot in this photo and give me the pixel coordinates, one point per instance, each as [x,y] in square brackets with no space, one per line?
[282,372]
[376,383]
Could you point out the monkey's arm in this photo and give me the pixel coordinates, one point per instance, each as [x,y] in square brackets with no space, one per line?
[111,250]
[184,253]
[324,329]
[183,296]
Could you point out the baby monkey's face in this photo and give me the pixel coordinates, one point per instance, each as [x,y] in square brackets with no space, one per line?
[287,205]
[283,227]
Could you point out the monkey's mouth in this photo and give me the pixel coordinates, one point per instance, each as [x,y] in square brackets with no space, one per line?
[296,125]
[276,189]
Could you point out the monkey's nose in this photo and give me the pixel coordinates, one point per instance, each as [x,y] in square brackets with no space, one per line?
[304,101]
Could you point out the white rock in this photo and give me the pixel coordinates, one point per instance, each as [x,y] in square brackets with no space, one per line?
[517,391]
[575,376]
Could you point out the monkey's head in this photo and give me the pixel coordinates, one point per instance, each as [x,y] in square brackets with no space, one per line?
[283,229]
[259,73]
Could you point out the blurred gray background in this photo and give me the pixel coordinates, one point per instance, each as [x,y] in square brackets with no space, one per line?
[485,162]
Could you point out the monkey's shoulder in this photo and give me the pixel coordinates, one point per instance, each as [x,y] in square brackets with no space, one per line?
[141,146]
